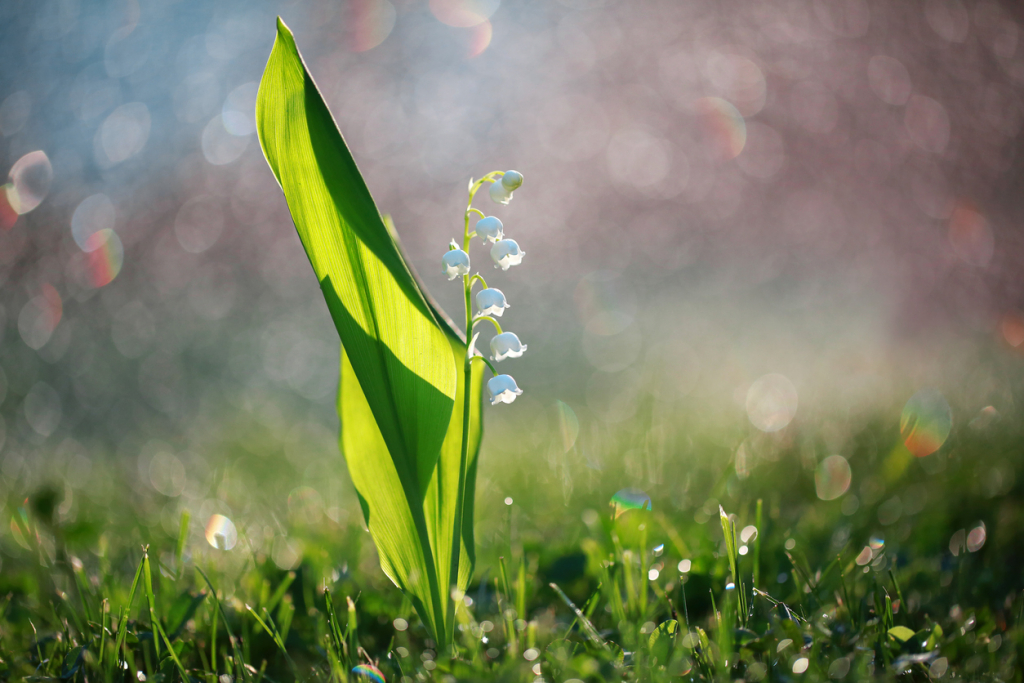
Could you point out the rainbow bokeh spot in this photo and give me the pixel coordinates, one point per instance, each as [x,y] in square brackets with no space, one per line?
[628,499]
[370,23]
[479,38]
[221,532]
[8,214]
[832,477]
[724,126]
[368,672]
[105,256]
[463,13]
[926,422]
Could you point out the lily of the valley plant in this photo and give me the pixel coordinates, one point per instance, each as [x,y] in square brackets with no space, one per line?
[410,392]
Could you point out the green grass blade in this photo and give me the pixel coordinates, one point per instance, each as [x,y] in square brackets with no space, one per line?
[148,575]
[588,627]
[158,630]
[122,626]
[239,660]
[279,592]
[179,549]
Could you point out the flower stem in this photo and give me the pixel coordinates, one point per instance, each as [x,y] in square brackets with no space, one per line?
[475,278]
[467,390]
[487,317]
[493,371]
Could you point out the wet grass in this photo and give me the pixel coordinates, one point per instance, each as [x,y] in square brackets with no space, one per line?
[738,571]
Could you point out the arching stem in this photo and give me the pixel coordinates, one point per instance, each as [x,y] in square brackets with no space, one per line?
[467,390]
[489,318]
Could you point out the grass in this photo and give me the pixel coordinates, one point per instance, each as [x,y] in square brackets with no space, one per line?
[105,579]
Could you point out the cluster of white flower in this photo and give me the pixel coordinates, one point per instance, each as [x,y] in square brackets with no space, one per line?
[491,302]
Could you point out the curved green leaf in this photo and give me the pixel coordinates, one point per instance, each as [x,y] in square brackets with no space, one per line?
[386,510]
[389,514]
[399,372]
[398,351]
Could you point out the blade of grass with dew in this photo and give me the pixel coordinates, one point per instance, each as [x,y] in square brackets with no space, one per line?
[757,543]
[395,350]
[148,576]
[239,660]
[352,629]
[122,625]
[179,549]
[337,637]
[275,635]
[588,627]
[279,592]
[159,631]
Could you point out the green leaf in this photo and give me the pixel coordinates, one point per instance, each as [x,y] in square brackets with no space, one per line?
[387,513]
[901,633]
[662,639]
[399,379]
[399,354]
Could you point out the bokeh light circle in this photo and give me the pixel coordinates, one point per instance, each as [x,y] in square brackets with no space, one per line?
[628,499]
[367,672]
[723,125]
[94,213]
[221,532]
[970,235]
[221,146]
[889,79]
[40,316]
[239,110]
[370,22]
[42,408]
[30,179]
[771,402]
[479,38]
[123,134]
[568,425]
[105,256]
[1012,327]
[832,477]
[976,538]
[199,223]
[737,79]
[463,13]
[925,422]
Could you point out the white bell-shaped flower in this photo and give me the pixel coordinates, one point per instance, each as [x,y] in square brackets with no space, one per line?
[512,180]
[503,389]
[490,228]
[455,263]
[491,302]
[507,253]
[499,193]
[506,345]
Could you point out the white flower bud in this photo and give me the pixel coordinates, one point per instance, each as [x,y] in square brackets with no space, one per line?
[490,228]
[506,345]
[455,263]
[503,389]
[507,253]
[491,302]
[512,180]
[499,194]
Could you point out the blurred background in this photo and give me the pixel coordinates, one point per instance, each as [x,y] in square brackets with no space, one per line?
[762,225]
